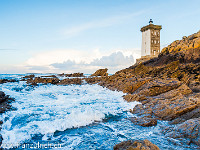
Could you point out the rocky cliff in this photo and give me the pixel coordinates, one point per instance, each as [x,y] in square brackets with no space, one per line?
[168,88]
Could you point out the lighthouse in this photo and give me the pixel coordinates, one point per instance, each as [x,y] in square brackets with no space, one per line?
[150,40]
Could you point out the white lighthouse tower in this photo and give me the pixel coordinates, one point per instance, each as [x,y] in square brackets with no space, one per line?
[150,40]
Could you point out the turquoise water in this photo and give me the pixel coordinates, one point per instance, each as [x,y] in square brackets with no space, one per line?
[72,117]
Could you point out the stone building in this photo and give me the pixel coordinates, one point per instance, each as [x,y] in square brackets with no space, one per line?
[150,40]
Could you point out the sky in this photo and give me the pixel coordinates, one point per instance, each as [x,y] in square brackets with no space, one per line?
[56,36]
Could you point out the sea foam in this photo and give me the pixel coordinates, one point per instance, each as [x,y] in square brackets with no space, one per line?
[50,108]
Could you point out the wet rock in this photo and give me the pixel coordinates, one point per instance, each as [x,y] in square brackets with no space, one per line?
[61,75]
[145,121]
[195,85]
[135,97]
[49,76]
[170,109]
[42,80]
[77,81]
[189,129]
[93,80]
[168,86]
[7,80]
[74,75]
[29,76]
[167,106]
[1,139]
[5,101]
[101,72]
[136,145]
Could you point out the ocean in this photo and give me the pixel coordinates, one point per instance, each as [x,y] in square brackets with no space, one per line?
[72,117]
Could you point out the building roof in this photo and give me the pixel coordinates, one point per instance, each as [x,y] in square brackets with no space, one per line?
[151,26]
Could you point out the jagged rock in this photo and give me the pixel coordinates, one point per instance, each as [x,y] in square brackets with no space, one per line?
[168,86]
[29,76]
[158,86]
[70,81]
[62,74]
[101,72]
[188,131]
[1,139]
[134,97]
[72,75]
[7,80]
[144,121]
[170,109]
[42,80]
[169,105]
[93,80]
[5,101]
[131,87]
[136,145]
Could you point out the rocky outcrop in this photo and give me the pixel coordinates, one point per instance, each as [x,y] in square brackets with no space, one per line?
[29,76]
[5,105]
[188,47]
[37,80]
[77,81]
[72,75]
[101,72]
[7,80]
[5,101]
[168,86]
[49,76]
[187,132]
[136,145]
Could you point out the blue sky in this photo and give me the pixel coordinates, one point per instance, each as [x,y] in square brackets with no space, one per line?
[38,35]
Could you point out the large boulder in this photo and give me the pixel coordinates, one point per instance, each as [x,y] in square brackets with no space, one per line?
[42,80]
[167,106]
[72,75]
[7,80]
[188,132]
[77,81]
[145,121]
[5,101]
[136,145]
[101,72]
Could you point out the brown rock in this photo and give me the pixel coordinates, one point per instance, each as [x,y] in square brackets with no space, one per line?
[136,145]
[189,130]
[6,80]
[145,121]
[77,81]
[74,75]
[42,80]
[170,109]
[5,101]
[101,72]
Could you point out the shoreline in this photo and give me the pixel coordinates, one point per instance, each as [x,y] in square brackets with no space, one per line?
[167,86]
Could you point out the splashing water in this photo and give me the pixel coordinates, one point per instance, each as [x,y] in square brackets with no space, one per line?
[76,116]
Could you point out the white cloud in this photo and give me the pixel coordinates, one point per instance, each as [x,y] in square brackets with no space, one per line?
[59,56]
[79,61]
[113,62]
[68,61]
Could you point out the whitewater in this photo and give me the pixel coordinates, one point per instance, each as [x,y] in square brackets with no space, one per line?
[75,116]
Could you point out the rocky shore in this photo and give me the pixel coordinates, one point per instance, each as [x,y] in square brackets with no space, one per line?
[167,86]
[5,105]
